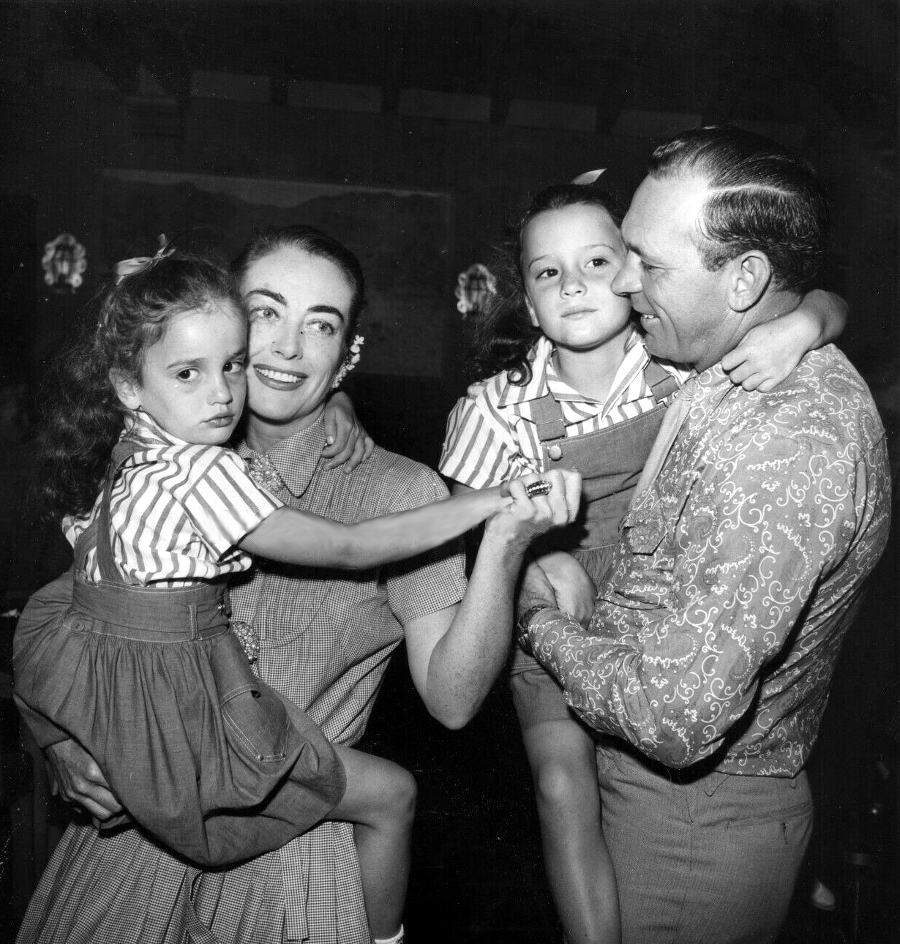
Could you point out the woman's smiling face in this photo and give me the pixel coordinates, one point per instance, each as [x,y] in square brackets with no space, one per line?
[298,306]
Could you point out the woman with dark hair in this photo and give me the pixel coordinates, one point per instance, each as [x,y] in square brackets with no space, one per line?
[322,640]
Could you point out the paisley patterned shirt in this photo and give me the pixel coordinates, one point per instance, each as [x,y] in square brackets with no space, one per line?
[736,577]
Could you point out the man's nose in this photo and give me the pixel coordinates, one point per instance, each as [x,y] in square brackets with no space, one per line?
[627,280]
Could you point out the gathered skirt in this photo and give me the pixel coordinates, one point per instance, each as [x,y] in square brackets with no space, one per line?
[153,683]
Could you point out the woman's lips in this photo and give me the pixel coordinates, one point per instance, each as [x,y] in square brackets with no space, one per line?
[278,379]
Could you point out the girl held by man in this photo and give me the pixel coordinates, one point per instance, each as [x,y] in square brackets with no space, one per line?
[571,385]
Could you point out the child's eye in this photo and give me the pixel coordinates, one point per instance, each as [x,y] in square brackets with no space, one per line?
[234,367]
[547,273]
[188,373]
[597,262]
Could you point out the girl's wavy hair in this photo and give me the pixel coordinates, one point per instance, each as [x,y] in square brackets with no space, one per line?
[504,335]
[82,417]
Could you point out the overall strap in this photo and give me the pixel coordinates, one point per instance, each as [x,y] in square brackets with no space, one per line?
[547,416]
[662,384]
[109,572]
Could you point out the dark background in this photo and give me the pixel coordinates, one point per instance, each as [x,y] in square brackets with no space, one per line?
[483,102]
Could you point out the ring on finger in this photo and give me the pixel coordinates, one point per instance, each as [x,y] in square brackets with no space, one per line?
[540,487]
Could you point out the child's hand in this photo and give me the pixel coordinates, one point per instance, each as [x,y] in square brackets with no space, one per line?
[768,354]
[575,591]
[348,443]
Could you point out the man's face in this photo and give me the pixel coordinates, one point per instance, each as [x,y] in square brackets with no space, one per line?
[683,306]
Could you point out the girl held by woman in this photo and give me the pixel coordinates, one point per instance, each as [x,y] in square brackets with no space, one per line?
[571,385]
[143,670]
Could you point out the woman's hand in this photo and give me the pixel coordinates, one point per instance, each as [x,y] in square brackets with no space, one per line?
[770,352]
[572,585]
[348,443]
[526,517]
[79,780]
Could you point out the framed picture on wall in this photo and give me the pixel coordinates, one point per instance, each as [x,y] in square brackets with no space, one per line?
[402,239]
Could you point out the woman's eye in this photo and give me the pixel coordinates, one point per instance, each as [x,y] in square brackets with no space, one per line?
[263,313]
[647,267]
[325,328]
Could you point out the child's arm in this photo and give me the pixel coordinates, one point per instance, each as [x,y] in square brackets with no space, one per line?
[296,537]
[770,352]
[347,442]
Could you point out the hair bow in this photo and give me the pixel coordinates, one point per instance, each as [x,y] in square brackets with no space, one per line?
[589,177]
[140,263]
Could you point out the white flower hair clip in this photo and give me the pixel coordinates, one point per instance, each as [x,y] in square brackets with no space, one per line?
[350,361]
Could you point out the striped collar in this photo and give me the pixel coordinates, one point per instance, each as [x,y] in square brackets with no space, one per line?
[140,427]
[545,380]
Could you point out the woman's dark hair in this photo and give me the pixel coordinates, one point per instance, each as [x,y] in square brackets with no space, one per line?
[82,417]
[316,243]
[504,335]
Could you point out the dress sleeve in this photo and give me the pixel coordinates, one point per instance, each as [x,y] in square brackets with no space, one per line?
[749,550]
[480,448]
[431,581]
[222,501]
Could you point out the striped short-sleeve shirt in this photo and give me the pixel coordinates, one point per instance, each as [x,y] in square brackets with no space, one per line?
[491,436]
[177,511]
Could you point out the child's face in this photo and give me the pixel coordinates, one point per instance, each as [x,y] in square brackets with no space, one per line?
[193,381]
[569,259]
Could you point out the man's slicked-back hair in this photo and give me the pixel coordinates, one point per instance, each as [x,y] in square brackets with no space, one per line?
[762,197]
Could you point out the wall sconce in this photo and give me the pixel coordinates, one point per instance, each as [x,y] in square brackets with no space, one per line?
[474,289]
[64,261]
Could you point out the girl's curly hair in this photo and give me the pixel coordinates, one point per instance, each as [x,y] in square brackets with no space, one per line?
[504,335]
[82,417]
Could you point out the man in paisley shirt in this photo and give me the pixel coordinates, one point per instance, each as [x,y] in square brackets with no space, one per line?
[707,662]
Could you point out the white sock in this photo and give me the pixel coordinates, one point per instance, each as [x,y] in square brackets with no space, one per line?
[396,939]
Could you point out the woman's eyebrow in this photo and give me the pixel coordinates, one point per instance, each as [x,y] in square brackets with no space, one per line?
[327,310]
[275,296]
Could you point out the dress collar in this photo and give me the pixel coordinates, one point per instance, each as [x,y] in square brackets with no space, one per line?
[294,460]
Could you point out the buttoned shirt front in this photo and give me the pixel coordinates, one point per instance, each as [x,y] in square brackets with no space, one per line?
[736,577]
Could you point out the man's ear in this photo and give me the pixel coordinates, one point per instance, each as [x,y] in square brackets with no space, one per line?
[126,390]
[751,273]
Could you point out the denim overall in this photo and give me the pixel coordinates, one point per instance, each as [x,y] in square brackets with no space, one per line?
[610,461]
[155,686]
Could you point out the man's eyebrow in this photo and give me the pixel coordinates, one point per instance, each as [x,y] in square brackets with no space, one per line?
[275,296]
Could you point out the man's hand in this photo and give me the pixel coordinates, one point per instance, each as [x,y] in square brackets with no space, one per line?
[572,585]
[79,780]
[534,590]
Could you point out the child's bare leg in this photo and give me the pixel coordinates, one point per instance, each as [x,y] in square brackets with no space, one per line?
[579,869]
[380,801]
